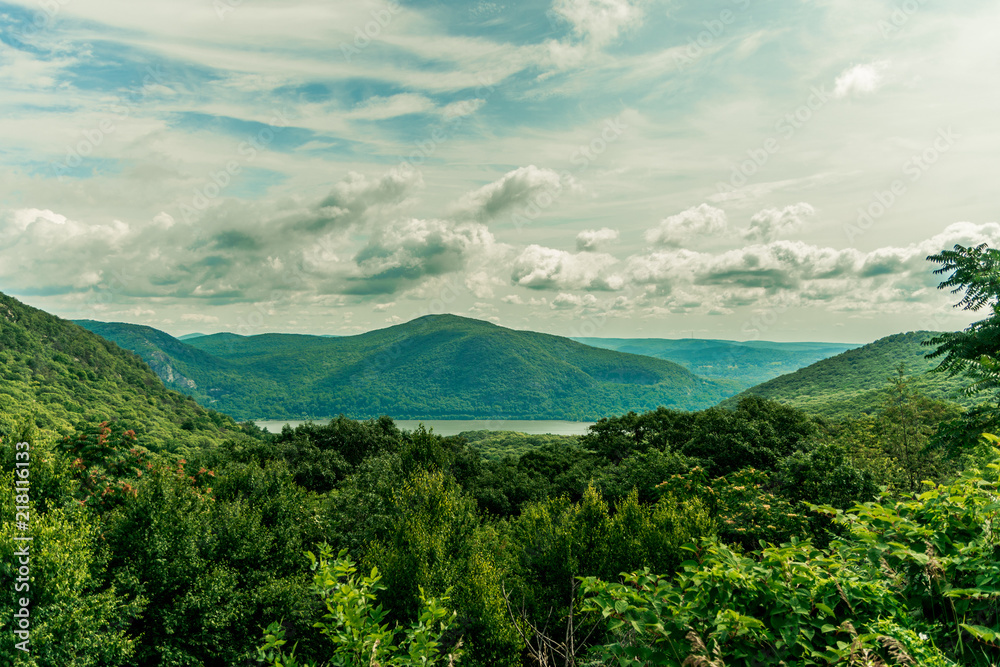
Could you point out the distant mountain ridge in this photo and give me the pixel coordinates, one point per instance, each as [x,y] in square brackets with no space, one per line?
[746,363]
[438,366]
[856,382]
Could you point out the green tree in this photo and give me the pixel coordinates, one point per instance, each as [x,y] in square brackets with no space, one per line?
[75,621]
[908,422]
[353,623]
[974,351]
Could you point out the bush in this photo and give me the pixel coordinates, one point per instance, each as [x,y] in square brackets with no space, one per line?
[353,623]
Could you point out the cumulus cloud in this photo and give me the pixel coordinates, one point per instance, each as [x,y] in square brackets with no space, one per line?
[567,301]
[516,188]
[701,220]
[599,21]
[860,79]
[592,239]
[538,267]
[356,197]
[797,272]
[406,251]
[516,300]
[199,317]
[771,223]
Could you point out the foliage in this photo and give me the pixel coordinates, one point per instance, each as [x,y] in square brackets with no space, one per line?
[852,384]
[939,549]
[560,541]
[75,622]
[438,366]
[434,543]
[747,363]
[976,271]
[59,374]
[191,532]
[495,445]
[353,622]
[916,581]
[106,462]
[208,562]
[791,604]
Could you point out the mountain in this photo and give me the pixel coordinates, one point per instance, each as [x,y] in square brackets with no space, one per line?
[438,366]
[855,382]
[58,374]
[190,336]
[746,363]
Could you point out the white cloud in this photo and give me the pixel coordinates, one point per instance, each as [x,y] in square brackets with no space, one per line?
[592,239]
[860,79]
[600,21]
[406,251]
[25,217]
[771,223]
[380,108]
[538,267]
[358,198]
[462,108]
[701,220]
[199,317]
[164,219]
[521,187]
[567,301]
[800,273]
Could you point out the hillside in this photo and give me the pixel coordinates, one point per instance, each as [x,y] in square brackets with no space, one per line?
[854,382]
[61,374]
[745,363]
[438,366]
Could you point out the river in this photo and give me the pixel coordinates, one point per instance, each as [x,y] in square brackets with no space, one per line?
[456,426]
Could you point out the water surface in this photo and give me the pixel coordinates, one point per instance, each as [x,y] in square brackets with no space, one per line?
[456,426]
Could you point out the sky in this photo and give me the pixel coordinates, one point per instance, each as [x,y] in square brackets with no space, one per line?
[736,169]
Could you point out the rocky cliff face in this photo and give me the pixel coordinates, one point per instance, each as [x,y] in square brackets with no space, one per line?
[160,364]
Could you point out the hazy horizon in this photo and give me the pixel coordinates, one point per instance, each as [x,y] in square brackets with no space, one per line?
[606,168]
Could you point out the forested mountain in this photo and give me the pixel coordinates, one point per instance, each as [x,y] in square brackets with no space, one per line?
[856,382]
[62,374]
[440,366]
[219,555]
[746,363]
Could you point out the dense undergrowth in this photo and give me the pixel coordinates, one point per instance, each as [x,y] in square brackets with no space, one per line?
[164,560]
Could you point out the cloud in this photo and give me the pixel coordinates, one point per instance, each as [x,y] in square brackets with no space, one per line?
[462,108]
[406,251]
[26,217]
[769,224]
[516,188]
[567,301]
[599,21]
[381,108]
[797,273]
[357,197]
[516,300]
[860,80]
[701,220]
[592,239]
[198,317]
[542,268]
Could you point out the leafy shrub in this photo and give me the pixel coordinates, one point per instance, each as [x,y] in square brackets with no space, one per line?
[353,623]
[915,582]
